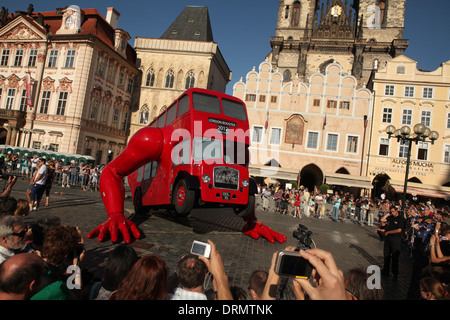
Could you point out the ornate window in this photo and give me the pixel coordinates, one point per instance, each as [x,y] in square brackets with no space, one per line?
[18,58]
[170,77]
[94,109]
[382,5]
[32,58]
[105,113]
[10,98]
[115,120]
[5,57]
[62,101]
[150,79]
[296,14]
[287,75]
[190,80]
[45,101]
[53,57]
[144,115]
[70,57]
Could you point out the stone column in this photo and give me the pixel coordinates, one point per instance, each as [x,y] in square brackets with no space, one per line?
[8,135]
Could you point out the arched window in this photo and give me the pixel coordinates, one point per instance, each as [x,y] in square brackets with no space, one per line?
[150,80]
[382,5]
[170,77]
[190,80]
[296,14]
[287,75]
[144,114]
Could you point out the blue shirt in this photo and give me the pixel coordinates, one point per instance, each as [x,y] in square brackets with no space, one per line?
[337,204]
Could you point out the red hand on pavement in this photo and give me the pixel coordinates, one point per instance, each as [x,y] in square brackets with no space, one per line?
[257,229]
[116,222]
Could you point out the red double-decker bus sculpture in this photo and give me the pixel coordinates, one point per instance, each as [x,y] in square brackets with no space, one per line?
[194,154]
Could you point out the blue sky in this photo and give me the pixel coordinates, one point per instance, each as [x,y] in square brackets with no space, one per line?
[242,28]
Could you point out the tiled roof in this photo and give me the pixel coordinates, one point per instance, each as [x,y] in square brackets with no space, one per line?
[192,24]
[92,24]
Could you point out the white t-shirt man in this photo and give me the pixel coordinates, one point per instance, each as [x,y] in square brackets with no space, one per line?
[42,175]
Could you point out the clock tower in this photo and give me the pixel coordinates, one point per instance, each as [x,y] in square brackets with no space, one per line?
[360,36]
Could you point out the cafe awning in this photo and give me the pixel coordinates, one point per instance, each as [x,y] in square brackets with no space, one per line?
[421,189]
[347,180]
[272,172]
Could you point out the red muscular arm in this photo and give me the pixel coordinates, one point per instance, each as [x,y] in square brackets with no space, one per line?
[145,146]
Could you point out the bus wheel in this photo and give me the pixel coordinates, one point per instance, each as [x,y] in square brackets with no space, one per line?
[137,202]
[183,199]
[245,210]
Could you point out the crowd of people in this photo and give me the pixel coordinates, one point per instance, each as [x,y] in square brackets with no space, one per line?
[41,270]
[302,202]
[422,226]
[44,260]
[44,173]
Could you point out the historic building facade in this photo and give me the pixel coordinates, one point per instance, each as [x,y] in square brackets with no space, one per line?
[185,56]
[81,73]
[405,96]
[323,54]
[317,130]
[335,79]
[360,36]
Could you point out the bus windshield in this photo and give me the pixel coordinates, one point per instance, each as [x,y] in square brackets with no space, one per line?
[207,148]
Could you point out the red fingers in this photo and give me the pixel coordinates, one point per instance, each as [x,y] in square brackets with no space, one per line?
[116,223]
[256,229]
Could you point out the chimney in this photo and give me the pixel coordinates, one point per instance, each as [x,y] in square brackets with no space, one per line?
[112,17]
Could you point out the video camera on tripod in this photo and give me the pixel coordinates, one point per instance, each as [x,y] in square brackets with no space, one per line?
[303,235]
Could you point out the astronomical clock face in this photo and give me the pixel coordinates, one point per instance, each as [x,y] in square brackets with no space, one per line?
[336,11]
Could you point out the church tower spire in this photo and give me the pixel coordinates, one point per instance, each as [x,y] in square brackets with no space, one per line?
[310,33]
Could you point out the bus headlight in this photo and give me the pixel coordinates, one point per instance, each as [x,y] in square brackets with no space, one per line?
[206,178]
[245,183]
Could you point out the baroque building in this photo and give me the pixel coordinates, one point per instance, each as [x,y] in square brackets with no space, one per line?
[185,56]
[66,81]
[405,96]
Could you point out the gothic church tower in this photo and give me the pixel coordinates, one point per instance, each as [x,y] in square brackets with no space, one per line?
[361,36]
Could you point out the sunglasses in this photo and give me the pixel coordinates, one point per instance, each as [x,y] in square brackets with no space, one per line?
[20,234]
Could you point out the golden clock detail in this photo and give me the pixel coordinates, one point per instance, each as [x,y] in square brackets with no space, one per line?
[336,11]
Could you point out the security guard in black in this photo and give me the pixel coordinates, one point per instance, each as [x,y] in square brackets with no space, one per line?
[392,243]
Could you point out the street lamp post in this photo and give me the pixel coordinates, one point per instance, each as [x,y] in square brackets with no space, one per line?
[420,134]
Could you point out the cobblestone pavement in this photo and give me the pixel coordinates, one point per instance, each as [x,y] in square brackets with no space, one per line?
[352,245]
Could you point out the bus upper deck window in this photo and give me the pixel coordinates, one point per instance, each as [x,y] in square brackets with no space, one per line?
[171,113]
[206,103]
[183,105]
[234,109]
[161,120]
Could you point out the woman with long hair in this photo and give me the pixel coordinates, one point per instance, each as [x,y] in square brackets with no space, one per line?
[147,280]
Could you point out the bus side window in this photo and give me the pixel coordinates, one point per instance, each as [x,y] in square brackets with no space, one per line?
[161,120]
[183,105]
[153,124]
[171,113]
[147,170]
[140,173]
[181,152]
[154,168]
